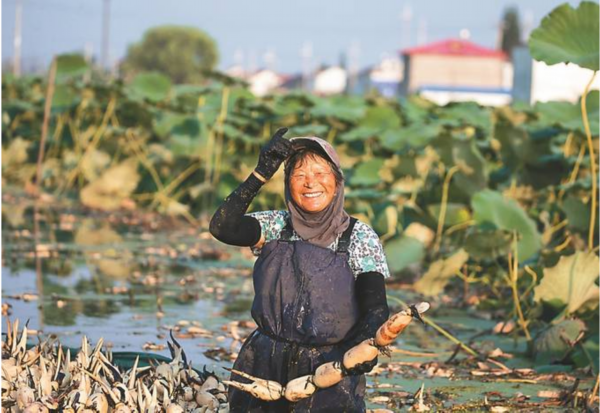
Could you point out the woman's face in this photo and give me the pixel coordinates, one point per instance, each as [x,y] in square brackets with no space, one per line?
[312,184]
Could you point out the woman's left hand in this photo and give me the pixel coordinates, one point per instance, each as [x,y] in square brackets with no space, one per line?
[362,368]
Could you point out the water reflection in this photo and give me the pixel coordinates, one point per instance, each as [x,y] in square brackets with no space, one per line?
[102,276]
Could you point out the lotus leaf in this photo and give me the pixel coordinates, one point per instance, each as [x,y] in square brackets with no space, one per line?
[403,251]
[568,115]
[152,86]
[455,213]
[568,35]
[367,173]
[490,207]
[572,281]
[556,341]
[414,136]
[70,65]
[64,98]
[578,213]
[439,274]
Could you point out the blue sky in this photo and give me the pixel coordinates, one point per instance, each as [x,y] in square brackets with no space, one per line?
[252,30]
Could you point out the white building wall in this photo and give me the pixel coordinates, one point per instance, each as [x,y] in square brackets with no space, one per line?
[559,82]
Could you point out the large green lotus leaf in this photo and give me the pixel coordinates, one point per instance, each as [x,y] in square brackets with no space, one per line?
[568,35]
[455,213]
[308,130]
[473,175]
[486,244]
[403,251]
[571,282]
[381,117]
[417,109]
[152,86]
[114,186]
[64,98]
[589,348]
[553,344]
[413,136]
[568,115]
[578,213]
[469,113]
[439,274]
[490,207]
[70,65]
[367,173]
[360,133]
[346,108]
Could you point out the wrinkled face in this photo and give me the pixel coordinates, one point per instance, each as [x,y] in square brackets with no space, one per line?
[312,184]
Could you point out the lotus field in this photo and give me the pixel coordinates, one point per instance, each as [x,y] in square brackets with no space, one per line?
[490,214]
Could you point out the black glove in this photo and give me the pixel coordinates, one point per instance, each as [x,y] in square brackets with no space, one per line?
[272,155]
[361,368]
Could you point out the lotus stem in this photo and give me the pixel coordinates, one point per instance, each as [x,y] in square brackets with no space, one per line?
[513,263]
[440,330]
[443,206]
[47,108]
[588,134]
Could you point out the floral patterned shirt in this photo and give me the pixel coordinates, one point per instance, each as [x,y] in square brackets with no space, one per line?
[365,253]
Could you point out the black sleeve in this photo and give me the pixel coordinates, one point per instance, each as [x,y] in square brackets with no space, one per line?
[229,224]
[372,304]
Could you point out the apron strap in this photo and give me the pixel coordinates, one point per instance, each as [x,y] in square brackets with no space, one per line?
[287,231]
[344,241]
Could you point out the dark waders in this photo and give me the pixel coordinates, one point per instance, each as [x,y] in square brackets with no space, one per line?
[304,305]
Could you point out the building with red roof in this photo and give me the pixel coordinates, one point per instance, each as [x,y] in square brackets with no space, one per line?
[457,69]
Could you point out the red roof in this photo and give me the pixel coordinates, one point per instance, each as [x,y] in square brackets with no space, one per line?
[455,47]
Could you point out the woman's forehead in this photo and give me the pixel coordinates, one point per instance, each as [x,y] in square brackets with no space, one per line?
[312,160]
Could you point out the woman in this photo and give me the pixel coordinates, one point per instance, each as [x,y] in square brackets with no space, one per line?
[318,279]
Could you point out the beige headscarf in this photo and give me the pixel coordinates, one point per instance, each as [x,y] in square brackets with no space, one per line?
[320,228]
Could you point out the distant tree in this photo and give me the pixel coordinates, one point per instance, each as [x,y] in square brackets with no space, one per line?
[511,30]
[181,53]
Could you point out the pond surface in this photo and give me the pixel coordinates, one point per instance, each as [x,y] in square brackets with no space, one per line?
[131,278]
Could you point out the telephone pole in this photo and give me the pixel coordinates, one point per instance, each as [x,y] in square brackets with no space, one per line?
[17,39]
[105,34]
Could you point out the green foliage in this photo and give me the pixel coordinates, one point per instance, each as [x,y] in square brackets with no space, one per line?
[557,341]
[568,35]
[571,282]
[182,54]
[439,274]
[490,207]
[152,86]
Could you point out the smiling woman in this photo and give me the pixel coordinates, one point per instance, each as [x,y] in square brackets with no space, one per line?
[318,279]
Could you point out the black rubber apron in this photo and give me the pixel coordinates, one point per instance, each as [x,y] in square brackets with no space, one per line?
[304,306]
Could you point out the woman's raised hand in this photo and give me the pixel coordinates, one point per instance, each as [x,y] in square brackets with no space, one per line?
[272,155]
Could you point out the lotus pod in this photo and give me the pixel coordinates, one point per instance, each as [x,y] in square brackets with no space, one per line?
[361,353]
[208,400]
[328,374]
[300,388]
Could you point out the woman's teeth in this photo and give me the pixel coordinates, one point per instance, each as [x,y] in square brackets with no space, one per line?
[313,194]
